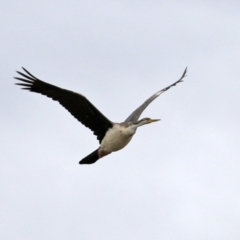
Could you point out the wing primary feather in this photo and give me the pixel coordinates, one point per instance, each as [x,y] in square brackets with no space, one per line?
[23,80]
[26,76]
[29,73]
[23,84]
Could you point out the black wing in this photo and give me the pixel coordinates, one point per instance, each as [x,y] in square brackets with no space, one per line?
[136,114]
[79,106]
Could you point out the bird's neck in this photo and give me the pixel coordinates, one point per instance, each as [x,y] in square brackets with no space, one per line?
[138,124]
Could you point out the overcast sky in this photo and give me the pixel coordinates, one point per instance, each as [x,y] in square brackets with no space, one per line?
[178,178]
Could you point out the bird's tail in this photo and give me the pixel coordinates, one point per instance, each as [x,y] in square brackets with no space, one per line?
[91,158]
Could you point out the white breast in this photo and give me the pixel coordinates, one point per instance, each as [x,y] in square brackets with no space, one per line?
[117,138]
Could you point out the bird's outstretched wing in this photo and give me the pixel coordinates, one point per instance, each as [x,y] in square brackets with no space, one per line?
[136,114]
[79,106]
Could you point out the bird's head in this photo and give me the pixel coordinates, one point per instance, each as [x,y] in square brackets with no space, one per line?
[144,121]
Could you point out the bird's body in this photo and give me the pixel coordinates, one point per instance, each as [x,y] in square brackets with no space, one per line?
[117,138]
[112,136]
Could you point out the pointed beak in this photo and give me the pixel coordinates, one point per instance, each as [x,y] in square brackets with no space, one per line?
[154,120]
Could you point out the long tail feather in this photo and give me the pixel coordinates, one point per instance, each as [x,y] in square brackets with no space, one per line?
[91,158]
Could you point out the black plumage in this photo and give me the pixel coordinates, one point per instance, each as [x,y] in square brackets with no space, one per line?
[78,105]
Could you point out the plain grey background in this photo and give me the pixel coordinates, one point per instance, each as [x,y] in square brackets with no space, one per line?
[178,178]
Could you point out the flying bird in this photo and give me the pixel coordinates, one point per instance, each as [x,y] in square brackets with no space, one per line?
[111,136]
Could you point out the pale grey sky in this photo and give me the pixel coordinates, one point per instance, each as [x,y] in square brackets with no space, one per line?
[178,178]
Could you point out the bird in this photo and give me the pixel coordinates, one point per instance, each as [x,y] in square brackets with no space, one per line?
[111,136]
